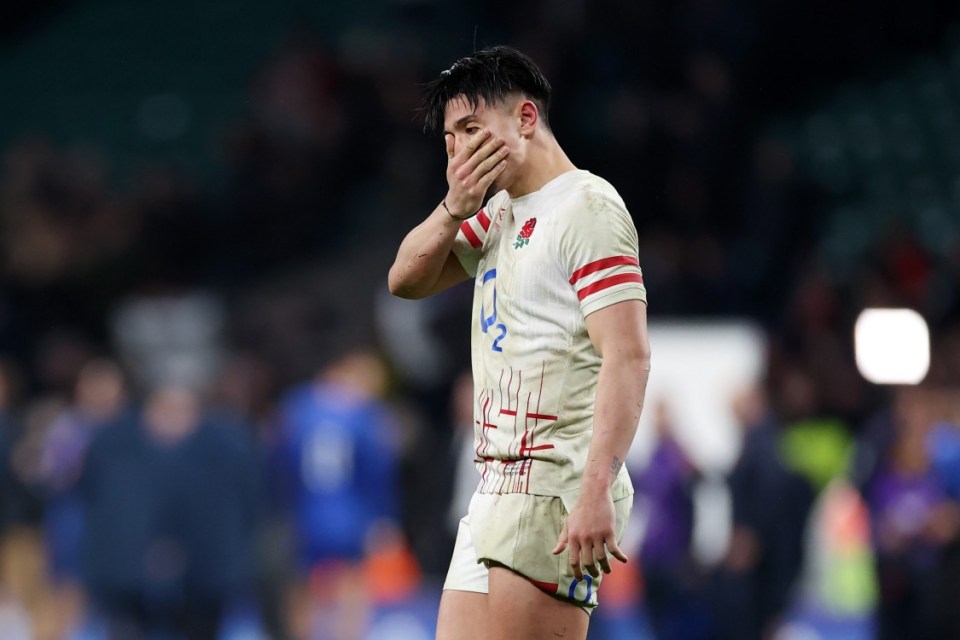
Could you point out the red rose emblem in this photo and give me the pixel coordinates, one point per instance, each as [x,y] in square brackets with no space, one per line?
[523,238]
[528,228]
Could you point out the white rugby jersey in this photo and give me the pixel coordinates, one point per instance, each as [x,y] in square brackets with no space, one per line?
[542,263]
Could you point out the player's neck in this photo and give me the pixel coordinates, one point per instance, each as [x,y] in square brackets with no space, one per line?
[546,161]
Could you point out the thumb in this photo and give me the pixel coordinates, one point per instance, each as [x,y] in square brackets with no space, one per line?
[561,541]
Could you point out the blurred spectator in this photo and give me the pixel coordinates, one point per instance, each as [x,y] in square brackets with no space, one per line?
[943,448]
[59,214]
[914,517]
[99,399]
[170,507]
[22,558]
[770,509]
[339,444]
[673,582]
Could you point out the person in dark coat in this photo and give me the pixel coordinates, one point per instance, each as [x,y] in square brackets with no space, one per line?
[771,505]
[170,501]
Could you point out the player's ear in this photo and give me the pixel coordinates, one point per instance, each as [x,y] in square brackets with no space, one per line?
[529,116]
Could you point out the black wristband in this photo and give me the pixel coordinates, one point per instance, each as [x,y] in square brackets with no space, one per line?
[443,203]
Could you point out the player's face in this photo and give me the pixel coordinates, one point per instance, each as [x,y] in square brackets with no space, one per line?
[463,122]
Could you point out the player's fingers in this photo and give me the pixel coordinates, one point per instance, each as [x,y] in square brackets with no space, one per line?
[604,564]
[487,165]
[484,152]
[561,541]
[473,144]
[468,165]
[577,571]
[448,140]
[615,550]
[487,179]
[574,551]
[588,561]
[601,556]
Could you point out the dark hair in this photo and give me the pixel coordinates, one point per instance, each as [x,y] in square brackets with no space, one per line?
[489,75]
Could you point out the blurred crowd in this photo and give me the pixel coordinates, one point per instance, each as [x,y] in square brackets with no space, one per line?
[209,403]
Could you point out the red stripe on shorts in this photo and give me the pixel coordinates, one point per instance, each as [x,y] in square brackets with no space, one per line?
[548,587]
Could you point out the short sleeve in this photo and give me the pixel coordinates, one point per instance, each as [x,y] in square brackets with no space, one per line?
[469,245]
[599,250]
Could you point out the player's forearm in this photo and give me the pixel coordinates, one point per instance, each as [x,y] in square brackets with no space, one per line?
[422,254]
[620,391]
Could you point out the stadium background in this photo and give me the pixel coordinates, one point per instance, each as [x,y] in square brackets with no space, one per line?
[209,194]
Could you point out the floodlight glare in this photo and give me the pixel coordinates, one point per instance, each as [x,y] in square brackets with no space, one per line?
[892,346]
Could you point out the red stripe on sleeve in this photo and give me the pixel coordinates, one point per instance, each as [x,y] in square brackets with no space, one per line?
[605,283]
[604,263]
[471,235]
[484,220]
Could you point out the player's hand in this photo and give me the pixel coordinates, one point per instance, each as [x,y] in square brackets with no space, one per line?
[590,535]
[471,171]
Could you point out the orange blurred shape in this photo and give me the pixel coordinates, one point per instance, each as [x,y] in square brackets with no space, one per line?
[391,574]
[622,587]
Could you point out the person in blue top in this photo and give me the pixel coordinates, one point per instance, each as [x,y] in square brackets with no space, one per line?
[338,443]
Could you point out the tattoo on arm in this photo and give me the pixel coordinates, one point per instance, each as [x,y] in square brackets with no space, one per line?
[615,465]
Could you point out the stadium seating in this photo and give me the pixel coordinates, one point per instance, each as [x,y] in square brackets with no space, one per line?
[886,150]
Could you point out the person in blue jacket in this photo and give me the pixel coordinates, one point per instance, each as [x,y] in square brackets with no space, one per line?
[339,454]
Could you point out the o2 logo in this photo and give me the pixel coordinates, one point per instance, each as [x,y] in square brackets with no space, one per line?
[490,322]
[573,589]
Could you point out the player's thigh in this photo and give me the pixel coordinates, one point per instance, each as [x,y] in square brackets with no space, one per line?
[462,616]
[518,609]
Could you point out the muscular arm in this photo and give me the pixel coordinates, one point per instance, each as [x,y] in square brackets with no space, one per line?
[425,263]
[619,333]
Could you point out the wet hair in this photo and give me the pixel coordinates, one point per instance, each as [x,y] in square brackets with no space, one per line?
[489,75]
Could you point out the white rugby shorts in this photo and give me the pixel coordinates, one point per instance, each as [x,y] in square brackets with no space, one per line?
[520,531]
